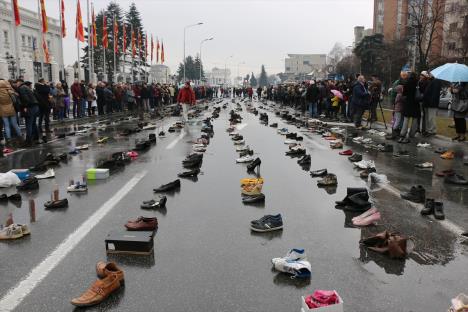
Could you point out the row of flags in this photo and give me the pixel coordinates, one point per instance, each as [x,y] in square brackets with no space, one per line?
[136,38]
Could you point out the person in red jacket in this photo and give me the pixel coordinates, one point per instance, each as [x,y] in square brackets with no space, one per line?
[186,97]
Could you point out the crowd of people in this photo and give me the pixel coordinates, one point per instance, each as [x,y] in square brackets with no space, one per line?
[414,99]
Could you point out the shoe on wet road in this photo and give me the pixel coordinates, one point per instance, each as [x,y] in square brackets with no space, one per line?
[267,223]
[439,211]
[298,269]
[329,180]
[168,187]
[428,207]
[448,155]
[416,194]
[346,153]
[28,184]
[49,174]
[425,165]
[77,188]
[189,174]
[142,224]
[98,291]
[11,232]
[153,204]
[355,158]
[249,199]
[319,173]
[456,179]
[56,204]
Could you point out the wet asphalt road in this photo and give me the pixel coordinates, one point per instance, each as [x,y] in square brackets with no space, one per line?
[207,259]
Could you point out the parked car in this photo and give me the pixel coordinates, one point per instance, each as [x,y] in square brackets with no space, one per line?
[445,99]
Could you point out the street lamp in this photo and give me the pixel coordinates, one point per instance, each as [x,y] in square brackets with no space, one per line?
[185,28]
[225,67]
[208,39]
[241,63]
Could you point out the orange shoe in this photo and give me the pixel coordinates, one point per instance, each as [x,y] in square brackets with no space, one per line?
[448,155]
[98,291]
[103,269]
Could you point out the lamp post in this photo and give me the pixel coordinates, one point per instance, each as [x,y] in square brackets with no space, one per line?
[241,63]
[201,43]
[185,28]
[225,68]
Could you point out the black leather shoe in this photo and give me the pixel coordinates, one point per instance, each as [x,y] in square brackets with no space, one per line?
[251,167]
[428,207]
[168,187]
[416,194]
[439,211]
[319,173]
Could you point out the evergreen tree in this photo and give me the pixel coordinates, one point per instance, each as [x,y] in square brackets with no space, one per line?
[192,71]
[98,52]
[253,80]
[263,80]
[133,19]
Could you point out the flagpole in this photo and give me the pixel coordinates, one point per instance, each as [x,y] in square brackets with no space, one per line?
[92,41]
[114,77]
[77,48]
[15,33]
[39,16]
[61,41]
[90,76]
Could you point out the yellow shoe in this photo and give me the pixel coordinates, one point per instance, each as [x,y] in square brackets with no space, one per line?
[448,155]
[102,140]
[248,181]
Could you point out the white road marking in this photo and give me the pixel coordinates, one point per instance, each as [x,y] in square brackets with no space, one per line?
[241,126]
[447,224]
[16,295]
[176,140]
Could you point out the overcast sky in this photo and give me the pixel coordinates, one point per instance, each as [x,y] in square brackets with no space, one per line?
[253,32]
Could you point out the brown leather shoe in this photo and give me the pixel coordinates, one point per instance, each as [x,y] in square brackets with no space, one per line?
[103,269]
[142,224]
[98,292]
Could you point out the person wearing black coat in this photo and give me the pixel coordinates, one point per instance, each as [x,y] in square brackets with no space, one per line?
[411,109]
[312,97]
[431,99]
[30,111]
[361,100]
[42,91]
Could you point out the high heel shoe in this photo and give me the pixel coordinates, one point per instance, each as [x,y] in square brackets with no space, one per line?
[251,167]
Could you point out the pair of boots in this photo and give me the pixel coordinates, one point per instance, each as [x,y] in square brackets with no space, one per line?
[394,244]
[357,200]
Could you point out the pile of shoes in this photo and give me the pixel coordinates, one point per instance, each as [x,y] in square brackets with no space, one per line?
[294,263]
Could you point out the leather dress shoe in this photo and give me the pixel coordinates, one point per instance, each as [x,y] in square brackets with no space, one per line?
[142,224]
[98,291]
[103,269]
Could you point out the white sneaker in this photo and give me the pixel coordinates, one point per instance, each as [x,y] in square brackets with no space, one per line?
[245,159]
[77,188]
[12,231]
[294,254]
[241,142]
[46,175]
[358,139]
[149,127]
[424,145]
[242,148]
[199,149]
[365,164]
[82,147]
[301,268]
[426,164]
[290,141]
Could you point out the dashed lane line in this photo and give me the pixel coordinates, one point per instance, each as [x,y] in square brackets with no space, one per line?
[17,294]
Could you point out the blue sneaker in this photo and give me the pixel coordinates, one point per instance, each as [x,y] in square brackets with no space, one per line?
[267,223]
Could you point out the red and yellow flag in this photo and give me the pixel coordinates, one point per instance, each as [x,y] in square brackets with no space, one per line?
[157,51]
[105,40]
[133,43]
[79,33]
[94,30]
[116,36]
[124,43]
[46,50]
[62,15]
[16,12]
[152,48]
[162,52]
[45,24]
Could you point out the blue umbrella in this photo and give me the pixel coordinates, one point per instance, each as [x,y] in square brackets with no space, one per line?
[452,72]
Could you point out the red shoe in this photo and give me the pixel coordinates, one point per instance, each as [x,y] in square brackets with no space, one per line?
[346,153]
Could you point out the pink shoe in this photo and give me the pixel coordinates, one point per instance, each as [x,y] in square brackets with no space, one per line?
[132,154]
[365,214]
[368,220]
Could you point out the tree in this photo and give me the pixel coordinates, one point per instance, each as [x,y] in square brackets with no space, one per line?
[192,72]
[348,66]
[198,65]
[337,53]
[426,20]
[369,51]
[253,80]
[263,80]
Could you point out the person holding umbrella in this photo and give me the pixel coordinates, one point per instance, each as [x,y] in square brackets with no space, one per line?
[458,75]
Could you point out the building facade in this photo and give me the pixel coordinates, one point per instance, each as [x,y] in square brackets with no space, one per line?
[219,76]
[304,64]
[360,32]
[159,73]
[21,51]
[393,19]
